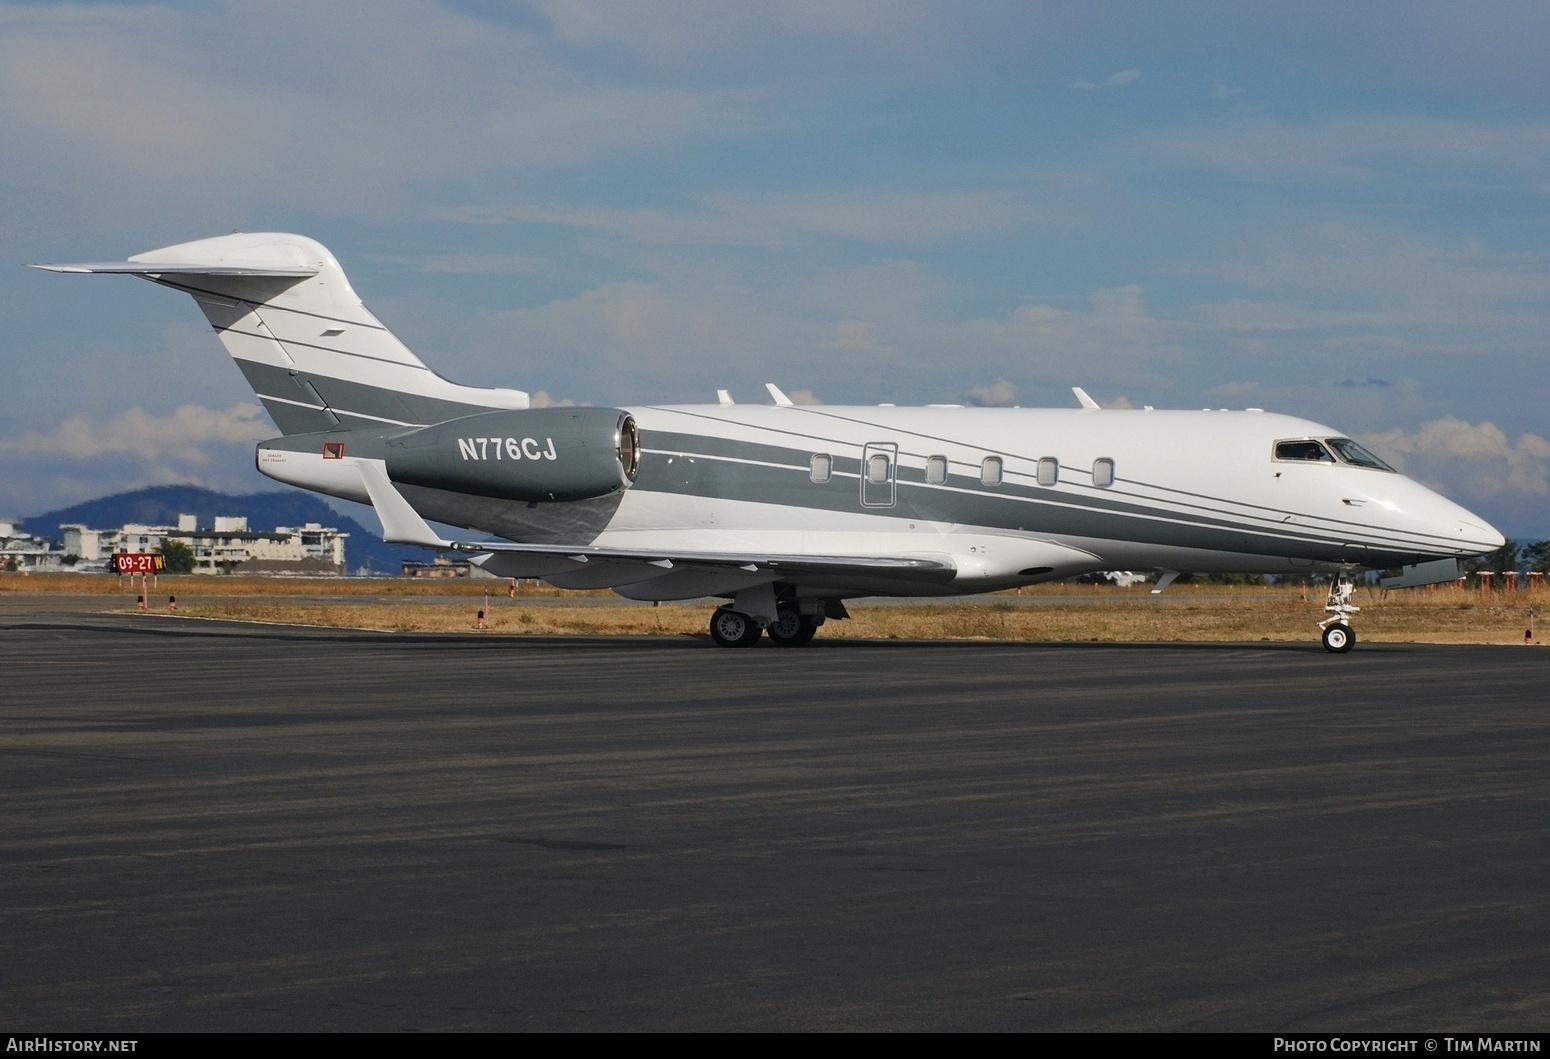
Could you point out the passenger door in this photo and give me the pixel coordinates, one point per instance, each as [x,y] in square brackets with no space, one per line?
[879,473]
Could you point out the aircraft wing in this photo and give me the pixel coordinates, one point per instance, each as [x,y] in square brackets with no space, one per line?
[751,562]
[402,524]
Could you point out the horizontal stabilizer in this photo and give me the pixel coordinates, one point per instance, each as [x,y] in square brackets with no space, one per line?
[401,523]
[168,268]
[313,353]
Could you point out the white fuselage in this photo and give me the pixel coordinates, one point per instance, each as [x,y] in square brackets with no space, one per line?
[818,502]
[1192,491]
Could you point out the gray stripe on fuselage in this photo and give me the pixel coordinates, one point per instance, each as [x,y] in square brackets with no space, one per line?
[288,342]
[1209,510]
[695,465]
[352,402]
[1110,501]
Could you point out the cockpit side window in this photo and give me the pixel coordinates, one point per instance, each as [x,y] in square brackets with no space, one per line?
[1353,453]
[1305,450]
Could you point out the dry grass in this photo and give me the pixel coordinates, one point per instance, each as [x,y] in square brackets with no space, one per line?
[196,585]
[1208,614]
[504,616]
[1444,614]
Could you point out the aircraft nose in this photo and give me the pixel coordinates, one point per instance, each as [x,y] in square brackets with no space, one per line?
[1468,533]
[1479,534]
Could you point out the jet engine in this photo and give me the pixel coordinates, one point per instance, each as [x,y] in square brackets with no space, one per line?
[536,454]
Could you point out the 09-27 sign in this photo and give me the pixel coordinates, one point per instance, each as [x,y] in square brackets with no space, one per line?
[139,563]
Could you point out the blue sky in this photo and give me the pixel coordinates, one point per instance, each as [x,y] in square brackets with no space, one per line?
[1337,213]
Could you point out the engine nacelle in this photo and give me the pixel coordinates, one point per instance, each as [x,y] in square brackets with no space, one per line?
[537,454]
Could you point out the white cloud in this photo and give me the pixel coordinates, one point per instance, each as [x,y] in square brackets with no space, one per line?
[777,220]
[1473,461]
[1377,285]
[858,337]
[757,38]
[87,457]
[1359,145]
[999,394]
[1114,332]
[463,262]
[637,339]
[148,104]
[182,436]
[1123,77]
[882,331]
[541,399]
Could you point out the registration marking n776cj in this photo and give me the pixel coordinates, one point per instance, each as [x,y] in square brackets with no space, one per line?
[505,448]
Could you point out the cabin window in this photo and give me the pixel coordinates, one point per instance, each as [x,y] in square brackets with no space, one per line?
[822,468]
[1103,473]
[936,470]
[1049,471]
[1307,451]
[1353,453]
[990,471]
[877,468]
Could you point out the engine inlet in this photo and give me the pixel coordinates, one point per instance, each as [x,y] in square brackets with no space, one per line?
[628,441]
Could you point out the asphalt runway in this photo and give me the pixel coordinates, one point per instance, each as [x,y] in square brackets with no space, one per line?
[221,826]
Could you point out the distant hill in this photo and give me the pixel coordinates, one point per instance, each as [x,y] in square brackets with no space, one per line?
[161,505]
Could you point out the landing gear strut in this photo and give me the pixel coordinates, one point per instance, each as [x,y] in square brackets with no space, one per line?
[1339,637]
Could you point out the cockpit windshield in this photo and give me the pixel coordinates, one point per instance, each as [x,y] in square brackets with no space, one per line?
[1353,453]
[1305,449]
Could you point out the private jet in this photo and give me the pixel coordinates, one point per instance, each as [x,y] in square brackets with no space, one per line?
[785,511]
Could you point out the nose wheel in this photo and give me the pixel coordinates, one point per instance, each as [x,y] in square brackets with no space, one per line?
[1339,637]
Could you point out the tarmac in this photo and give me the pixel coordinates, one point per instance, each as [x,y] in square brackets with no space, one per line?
[220,826]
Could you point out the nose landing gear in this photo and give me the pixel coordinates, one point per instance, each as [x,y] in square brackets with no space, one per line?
[1339,637]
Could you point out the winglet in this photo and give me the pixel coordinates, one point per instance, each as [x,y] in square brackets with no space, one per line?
[724,398]
[401,524]
[1164,581]
[780,398]
[1081,395]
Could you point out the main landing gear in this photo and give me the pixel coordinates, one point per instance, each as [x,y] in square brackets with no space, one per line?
[791,628]
[1339,637]
[731,629]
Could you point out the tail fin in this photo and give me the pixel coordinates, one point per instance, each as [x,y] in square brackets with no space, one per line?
[316,357]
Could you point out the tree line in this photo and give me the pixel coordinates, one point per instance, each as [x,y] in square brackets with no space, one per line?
[1519,556]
